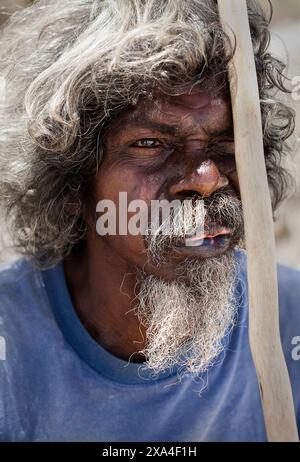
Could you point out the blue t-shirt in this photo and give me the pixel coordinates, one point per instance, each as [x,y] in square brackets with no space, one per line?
[58,384]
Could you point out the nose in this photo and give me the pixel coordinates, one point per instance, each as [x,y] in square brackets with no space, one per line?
[205,180]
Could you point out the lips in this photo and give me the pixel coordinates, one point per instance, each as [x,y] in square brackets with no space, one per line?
[203,248]
[212,242]
[211,230]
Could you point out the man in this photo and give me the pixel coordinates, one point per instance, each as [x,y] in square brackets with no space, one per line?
[109,334]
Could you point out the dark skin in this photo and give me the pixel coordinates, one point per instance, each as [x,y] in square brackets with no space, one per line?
[166,148]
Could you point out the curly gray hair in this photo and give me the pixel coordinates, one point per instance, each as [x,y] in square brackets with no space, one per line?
[71,67]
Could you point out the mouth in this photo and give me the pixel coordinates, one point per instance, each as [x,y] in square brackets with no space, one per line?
[214,241]
[213,234]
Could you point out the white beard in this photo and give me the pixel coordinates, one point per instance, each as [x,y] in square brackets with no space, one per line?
[194,314]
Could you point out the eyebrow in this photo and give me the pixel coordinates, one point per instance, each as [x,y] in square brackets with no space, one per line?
[158,126]
[226,133]
[144,122]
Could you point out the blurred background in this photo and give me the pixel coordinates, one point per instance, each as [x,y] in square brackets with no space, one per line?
[285,44]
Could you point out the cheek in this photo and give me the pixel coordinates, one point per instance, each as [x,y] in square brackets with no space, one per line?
[233,177]
[133,181]
[138,186]
[109,182]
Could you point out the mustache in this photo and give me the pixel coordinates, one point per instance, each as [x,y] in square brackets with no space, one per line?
[222,209]
[225,208]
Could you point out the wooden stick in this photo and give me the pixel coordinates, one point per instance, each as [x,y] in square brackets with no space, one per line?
[272,374]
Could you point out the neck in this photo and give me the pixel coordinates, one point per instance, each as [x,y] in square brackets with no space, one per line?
[102,288]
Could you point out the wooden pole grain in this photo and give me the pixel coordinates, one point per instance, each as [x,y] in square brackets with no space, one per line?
[264,336]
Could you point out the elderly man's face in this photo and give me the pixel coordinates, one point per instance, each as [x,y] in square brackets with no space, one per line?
[165,149]
[171,148]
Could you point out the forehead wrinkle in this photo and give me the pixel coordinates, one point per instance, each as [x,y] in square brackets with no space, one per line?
[177,127]
[156,116]
[165,120]
[199,122]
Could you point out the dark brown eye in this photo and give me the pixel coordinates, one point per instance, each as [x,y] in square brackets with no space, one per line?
[147,143]
[223,149]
